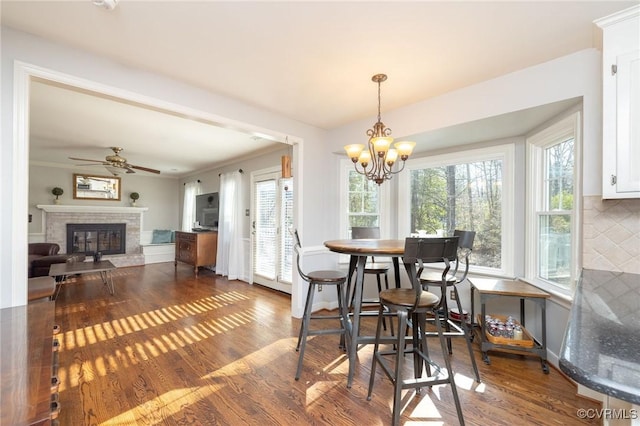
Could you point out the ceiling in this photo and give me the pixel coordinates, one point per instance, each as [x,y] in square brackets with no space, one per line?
[309,61]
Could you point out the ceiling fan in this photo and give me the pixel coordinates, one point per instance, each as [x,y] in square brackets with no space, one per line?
[115,163]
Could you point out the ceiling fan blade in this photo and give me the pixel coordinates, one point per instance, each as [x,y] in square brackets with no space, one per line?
[129,169]
[145,169]
[90,164]
[85,159]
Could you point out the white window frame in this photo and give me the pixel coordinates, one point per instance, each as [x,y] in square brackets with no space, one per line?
[384,197]
[536,145]
[505,153]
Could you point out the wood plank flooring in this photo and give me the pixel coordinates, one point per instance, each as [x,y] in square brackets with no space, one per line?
[170,349]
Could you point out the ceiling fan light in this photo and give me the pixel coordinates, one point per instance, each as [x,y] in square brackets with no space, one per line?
[113,170]
[107,4]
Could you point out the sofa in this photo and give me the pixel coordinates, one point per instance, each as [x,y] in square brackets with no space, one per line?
[43,255]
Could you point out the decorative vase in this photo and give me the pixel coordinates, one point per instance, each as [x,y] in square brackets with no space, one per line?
[133,203]
[56,201]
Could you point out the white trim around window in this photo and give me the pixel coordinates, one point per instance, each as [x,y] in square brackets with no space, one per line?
[346,166]
[568,127]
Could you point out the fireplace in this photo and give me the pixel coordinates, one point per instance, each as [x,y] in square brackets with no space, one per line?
[89,238]
[57,217]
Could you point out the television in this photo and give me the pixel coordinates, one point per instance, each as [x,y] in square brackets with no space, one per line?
[207,206]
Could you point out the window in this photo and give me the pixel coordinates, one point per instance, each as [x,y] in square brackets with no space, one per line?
[551,211]
[362,202]
[470,190]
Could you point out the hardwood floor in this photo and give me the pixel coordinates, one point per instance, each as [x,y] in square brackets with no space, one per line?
[170,349]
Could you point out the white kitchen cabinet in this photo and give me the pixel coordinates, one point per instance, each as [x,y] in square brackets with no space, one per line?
[621,104]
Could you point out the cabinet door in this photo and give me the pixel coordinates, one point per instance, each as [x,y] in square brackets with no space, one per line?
[628,122]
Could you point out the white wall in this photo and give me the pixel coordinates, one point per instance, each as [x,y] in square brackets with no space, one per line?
[63,60]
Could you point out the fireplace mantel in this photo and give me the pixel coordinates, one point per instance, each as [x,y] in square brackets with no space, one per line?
[60,208]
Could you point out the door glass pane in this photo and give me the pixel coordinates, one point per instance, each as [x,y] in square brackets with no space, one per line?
[286,224]
[266,229]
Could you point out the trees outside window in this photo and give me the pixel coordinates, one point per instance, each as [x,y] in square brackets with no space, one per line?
[469,190]
[464,196]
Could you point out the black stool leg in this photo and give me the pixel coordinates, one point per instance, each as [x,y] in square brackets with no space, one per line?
[467,335]
[304,328]
[397,385]
[374,358]
[447,362]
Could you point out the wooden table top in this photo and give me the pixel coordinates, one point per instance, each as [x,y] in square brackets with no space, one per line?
[507,288]
[367,247]
[70,268]
[25,370]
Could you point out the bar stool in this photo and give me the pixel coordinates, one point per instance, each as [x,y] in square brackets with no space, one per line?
[415,303]
[314,278]
[427,279]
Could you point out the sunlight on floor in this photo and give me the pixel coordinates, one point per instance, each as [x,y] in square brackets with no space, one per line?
[144,349]
[123,326]
[172,402]
[176,400]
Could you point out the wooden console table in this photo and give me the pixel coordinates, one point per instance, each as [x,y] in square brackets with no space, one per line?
[196,248]
[28,385]
[492,288]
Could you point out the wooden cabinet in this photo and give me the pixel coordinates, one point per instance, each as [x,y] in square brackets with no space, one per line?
[621,104]
[28,381]
[196,248]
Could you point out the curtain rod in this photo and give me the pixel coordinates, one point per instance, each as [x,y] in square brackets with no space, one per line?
[196,181]
[239,170]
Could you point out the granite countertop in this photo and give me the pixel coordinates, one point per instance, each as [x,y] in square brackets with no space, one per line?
[601,348]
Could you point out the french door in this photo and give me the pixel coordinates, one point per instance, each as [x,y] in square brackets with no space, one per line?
[272,243]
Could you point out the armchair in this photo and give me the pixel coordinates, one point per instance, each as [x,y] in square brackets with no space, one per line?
[43,255]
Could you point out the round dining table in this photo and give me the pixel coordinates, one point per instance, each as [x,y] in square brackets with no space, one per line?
[359,250]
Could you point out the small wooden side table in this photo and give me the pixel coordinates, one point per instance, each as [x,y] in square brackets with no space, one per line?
[492,288]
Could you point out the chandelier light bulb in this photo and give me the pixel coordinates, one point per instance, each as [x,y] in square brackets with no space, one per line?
[405,148]
[364,159]
[354,150]
[391,157]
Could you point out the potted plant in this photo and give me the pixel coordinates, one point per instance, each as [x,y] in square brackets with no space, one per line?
[134,196]
[57,191]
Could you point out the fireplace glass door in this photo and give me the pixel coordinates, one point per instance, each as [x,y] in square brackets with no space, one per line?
[93,238]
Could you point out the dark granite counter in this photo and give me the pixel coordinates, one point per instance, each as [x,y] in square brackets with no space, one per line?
[601,348]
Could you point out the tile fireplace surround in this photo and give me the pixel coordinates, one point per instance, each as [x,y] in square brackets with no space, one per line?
[56,218]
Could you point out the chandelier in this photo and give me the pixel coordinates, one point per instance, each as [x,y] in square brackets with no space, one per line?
[378,160]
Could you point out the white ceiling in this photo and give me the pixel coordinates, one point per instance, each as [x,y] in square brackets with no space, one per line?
[310,61]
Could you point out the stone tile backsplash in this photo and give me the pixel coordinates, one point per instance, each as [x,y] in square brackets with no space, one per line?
[611,234]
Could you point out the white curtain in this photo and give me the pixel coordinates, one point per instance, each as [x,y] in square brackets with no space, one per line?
[191,189]
[230,258]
